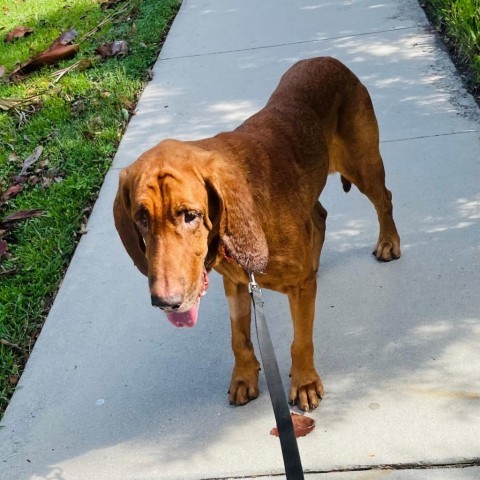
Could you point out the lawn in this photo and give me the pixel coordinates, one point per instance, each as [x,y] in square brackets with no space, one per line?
[459,23]
[74,116]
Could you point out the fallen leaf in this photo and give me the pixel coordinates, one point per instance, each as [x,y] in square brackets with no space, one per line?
[104,50]
[46,182]
[13,379]
[31,159]
[46,58]
[11,192]
[19,216]
[33,180]
[59,50]
[64,39]
[19,179]
[302,425]
[18,32]
[119,47]
[3,248]
[112,49]
[2,71]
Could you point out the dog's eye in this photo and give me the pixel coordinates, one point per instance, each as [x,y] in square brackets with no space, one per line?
[191,216]
[142,221]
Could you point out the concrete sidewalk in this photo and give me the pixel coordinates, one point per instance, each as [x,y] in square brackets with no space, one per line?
[113,392]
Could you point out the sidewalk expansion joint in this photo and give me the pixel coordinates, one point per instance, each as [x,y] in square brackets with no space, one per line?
[387,141]
[420,137]
[473,462]
[300,42]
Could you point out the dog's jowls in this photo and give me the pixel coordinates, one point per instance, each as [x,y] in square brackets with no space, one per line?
[247,200]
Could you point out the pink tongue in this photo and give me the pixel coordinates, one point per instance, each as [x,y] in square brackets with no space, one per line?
[184,319]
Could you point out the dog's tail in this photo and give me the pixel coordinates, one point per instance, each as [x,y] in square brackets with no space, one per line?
[347,184]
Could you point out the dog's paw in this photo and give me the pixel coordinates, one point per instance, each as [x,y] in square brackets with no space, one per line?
[306,390]
[387,250]
[244,385]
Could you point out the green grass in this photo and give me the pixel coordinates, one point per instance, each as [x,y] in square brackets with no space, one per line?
[79,122]
[459,21]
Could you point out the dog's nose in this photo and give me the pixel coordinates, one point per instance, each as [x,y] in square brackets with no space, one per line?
[172,302]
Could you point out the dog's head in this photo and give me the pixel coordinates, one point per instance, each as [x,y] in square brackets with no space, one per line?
[177,208]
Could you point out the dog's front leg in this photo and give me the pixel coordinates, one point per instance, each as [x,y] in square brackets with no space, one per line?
[306,387]
[244,383]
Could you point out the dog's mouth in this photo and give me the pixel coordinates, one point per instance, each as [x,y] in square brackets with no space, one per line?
[189,317]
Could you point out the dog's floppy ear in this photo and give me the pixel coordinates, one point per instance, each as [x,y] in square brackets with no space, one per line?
[238,221]
[129,234]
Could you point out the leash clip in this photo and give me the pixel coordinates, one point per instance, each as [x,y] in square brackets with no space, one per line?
[252,284]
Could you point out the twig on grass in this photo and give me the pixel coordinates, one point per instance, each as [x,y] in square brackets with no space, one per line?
[104,22]
[6,343]
[14,103]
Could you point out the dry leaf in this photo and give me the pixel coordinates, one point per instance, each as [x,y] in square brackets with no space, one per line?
[3,248]
[302,425]
[119,47]
[59,50]
[112,49]
[18,32]
[31,159]
[104,50]
[64,39]
[18,179]
[33,180]
[10,192]
[19,216]
[78,106]
[13,379]
[2,71]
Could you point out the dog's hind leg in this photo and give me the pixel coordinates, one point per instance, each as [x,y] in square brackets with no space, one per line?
[362,164]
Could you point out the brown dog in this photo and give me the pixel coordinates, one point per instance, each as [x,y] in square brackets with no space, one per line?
[247,200]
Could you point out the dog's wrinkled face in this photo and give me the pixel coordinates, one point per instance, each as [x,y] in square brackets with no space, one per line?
[169,210]
[171,213]
[175,203]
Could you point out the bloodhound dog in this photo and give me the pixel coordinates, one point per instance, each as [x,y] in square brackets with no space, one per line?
[247,201]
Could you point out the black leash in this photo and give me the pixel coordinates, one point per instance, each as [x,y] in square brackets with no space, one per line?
[288,441]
